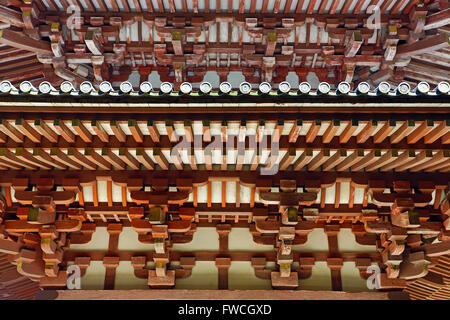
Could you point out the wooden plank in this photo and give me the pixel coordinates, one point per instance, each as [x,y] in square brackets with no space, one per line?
[365,133]
[27,130]
[319,159]
[42,127]
[10,131]
[65,132]
[100,131]
[403,131]
[117,130]
[135,131]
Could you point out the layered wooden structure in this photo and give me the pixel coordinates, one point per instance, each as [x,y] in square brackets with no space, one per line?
[333,40]
[388,172]
[279,117]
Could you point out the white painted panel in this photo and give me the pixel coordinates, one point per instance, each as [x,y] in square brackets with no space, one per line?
[347,242]
[317,242]
[205,239]
[94,278]
[202,194]
[216,192]
[128,241]
[240,239]
[99,242]
[351,278]
[241,276]
[204,276]
[320,278]
[125,278]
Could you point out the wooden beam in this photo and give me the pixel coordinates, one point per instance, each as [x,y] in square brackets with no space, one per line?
[135,131]
[331,131]
[27,130]
[383,133]
[117,130]
[287,159]
[79,158]
[65,132]
[318,160]
[97,159]
[21,41]
[145,159]
[100,131]
[303,160]
[420,132]
[442,129]
[403,131]
[333,161]
[160,159]
[10,131]
[128,159]
[368,159]
[351,160]
[153,130]
[43,156]
[42,127]
[429,44]
[365,133]
[28,157]
[60,156]
[384,160]
[84,133]
[113,159]
[348,131]
[313,130]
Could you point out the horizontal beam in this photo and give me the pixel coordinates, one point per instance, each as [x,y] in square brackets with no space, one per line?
[361,178]
[210,295]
